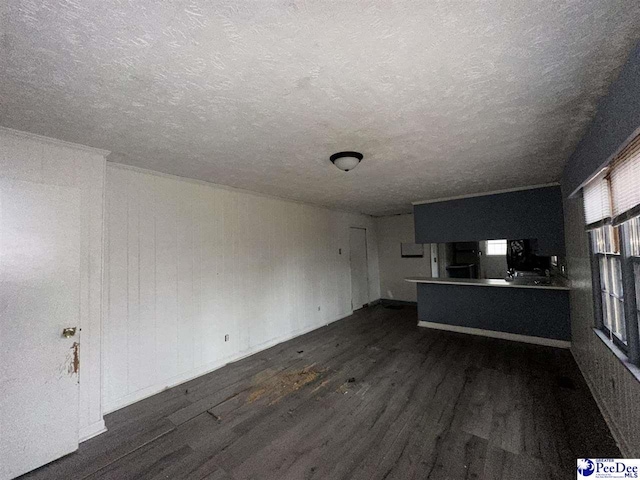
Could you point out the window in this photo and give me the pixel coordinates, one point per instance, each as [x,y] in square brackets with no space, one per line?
[496,247]
[612,215]
[632,231]
[606,247]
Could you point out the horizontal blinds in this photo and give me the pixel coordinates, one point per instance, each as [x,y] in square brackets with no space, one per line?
[597,200]
[625,182]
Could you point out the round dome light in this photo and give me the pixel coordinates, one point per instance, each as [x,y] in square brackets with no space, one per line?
[346,160]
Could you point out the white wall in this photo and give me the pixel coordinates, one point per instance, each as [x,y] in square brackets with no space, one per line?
[188,262]
[391,231]
[38,159]
[614,387]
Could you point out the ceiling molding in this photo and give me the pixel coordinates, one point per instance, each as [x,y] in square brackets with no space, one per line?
[55,141]
[495,192]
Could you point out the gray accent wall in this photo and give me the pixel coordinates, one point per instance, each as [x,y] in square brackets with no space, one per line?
[523,311]
[535,213]
[614,387]
[617,118]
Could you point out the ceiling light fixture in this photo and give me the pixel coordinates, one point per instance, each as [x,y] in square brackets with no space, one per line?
[346,160]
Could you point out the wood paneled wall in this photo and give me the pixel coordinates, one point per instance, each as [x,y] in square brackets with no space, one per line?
[188,263]
[615,388]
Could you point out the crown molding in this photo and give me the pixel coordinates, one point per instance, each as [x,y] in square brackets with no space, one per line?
[55,141]
[495,192]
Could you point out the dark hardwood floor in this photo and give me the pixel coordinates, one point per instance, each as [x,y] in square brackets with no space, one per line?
[372,396]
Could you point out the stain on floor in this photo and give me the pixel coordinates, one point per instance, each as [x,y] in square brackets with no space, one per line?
[284,383]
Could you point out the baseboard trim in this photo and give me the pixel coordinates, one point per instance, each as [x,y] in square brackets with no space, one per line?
[91,431]
[205,369]
[514,337]
[390,301]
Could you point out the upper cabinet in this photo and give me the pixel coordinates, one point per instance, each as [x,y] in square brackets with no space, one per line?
[534,213]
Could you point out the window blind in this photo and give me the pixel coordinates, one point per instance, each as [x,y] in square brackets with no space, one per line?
[597,201]
[625,182]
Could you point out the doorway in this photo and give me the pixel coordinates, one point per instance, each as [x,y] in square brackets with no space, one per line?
[359,267]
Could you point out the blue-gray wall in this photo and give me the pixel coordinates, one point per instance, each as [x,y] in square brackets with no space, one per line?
[535,213]
[523,311]
[617,118]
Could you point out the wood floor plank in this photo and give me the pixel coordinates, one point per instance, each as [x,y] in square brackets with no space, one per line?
[154,459]
[103,450]
[368,397]
[249,372]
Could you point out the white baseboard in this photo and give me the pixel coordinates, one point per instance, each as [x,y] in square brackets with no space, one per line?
[90,431]
[210,367]
[547,342]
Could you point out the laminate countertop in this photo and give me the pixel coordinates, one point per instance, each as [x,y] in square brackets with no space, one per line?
[555,284]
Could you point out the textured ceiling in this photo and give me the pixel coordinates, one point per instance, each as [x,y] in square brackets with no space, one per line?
[443,97]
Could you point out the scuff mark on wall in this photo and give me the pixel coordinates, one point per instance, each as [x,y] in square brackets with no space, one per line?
[71,364]
[74,365]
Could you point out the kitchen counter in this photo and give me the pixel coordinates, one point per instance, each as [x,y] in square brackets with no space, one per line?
[556,283]
[515,310]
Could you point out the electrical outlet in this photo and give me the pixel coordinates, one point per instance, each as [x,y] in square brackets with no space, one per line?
[226,337]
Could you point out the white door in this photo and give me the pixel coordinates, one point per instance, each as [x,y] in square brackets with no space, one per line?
[39,297]
[359,270]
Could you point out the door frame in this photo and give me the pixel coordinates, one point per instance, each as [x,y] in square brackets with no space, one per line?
[366,256]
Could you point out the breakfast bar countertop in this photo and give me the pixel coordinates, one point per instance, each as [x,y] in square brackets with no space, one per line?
[557,283]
